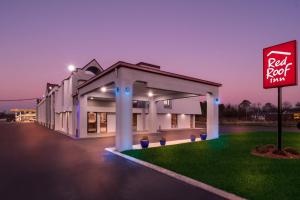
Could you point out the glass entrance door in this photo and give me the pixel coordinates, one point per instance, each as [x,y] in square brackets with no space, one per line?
[92,122]
[103,122]
[174,121]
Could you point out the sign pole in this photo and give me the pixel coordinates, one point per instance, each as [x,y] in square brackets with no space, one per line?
[279,118]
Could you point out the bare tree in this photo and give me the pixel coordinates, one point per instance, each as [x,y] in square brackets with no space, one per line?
[286,106]
[244,107]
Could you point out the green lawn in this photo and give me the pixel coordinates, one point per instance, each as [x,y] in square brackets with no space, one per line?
[227,164]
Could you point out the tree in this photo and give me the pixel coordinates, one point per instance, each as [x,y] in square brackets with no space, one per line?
[244,107]
[286,106]
[269,107]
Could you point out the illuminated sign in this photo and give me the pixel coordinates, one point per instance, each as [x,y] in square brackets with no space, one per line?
[280,65]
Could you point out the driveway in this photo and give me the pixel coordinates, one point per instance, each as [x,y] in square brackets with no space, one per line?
[37,163]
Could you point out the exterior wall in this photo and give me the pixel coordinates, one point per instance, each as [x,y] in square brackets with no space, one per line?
[111,122]
[139,123]
[186,106]
[69,115]
[183,121]
[67,95]
[163,119]
[42,112]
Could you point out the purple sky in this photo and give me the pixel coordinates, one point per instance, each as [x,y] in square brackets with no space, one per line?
[220,41]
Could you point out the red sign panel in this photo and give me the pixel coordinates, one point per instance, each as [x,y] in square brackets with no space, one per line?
[280,65]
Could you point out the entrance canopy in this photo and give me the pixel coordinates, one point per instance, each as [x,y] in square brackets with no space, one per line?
[125,82]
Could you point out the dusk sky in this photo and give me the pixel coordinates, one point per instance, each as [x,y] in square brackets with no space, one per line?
[220,41]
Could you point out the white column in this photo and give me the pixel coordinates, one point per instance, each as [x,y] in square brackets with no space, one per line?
[143,116]
[212,124]
[82,117]
[152,116]
[123,115]
[74,118]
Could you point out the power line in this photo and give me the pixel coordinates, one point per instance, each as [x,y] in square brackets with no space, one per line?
[9,100]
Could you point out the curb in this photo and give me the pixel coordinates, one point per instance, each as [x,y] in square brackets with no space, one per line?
[180,177]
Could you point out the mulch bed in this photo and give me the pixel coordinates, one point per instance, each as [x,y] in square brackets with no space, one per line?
[270,151]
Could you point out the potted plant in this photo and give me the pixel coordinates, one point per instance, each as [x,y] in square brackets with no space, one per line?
[203,136]
[144,142]
[193,138]
[162,141]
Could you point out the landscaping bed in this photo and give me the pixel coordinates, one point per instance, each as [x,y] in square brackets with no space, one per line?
[227,163]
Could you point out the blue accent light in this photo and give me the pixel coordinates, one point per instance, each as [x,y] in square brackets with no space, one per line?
[217,101]
[117,91]
[127,90]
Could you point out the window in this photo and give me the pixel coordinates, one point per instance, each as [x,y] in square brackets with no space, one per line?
[174,121]
[197,121]
[167,103]
[139,104]
[91,122]
[103,122]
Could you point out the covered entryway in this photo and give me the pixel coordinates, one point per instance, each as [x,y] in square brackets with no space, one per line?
[125,83]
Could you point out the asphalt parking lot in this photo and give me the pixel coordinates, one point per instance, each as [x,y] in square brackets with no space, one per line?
[37,163]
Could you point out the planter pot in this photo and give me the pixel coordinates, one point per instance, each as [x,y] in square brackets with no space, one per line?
[203,136]
[144,143]
[162,142]
[193,138]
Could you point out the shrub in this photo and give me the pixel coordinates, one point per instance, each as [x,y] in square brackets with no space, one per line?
[270,146]
[291,150]
[261,149]
[298,125]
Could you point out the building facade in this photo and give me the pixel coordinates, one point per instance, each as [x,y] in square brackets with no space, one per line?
[125,99]
[24,115]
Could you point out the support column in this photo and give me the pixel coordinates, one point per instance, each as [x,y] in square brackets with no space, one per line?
[82,117]
[143,116]
[212,123]
[152,116]
[123,115]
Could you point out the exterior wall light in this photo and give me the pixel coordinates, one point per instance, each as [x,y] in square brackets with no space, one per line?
[117,91]
[91,98]
[103,89]
[71,68]
[217,101]
[150,94]
[168,115]
[127,90]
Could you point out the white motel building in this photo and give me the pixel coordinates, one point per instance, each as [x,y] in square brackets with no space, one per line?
[126,99]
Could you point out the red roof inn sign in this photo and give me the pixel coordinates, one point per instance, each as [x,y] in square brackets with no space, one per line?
[279,70]
[279,65]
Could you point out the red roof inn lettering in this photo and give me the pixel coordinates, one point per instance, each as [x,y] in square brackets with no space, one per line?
[279,65]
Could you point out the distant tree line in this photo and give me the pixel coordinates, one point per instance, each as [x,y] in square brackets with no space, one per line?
[247,111]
